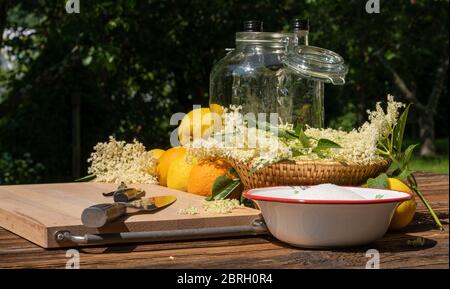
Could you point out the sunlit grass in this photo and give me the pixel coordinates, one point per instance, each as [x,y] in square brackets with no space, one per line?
[438,164]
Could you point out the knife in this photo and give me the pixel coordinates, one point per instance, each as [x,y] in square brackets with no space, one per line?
[125,194]
[99,215]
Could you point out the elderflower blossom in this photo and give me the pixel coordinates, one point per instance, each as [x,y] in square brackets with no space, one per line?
[361,145]
[239,141]
[356,147]
[224,206]
[190,210]
[118,161]
[236,140]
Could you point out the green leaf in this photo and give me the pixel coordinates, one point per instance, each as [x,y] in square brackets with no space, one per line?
[87,178]
[398,165]
[408,154]
[399,129]
[242,199]
[298,129]
[327,144]
[304,139]
[233,172]
[291,134]
[223,187]
[287,134]
[380,182]
[220,184]
[402,175]
[319,153]
[227,191]
[402,170]
[324,144]
[296,152]
[284,133]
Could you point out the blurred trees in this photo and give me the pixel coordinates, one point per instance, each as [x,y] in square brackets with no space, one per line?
[123,67]
[20,170]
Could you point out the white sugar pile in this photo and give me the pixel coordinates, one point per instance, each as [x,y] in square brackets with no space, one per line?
[326,192]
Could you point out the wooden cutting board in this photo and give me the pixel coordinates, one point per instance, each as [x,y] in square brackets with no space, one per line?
[36,212]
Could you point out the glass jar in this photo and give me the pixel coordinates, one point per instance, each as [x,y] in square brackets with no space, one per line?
[269,73]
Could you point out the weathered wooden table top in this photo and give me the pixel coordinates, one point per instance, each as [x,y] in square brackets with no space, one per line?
[420,245]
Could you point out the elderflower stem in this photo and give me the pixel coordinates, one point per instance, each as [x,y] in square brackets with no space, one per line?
[391,143]
[386,150]
[413,184]
[381,152]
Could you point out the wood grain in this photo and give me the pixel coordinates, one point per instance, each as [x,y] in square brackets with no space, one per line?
[36,212]
[256,252]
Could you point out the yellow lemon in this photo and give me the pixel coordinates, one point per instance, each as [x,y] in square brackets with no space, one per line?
[198,123]
[164,163]
[156,153]
[404,213]
[216,108]
[178,173]
[204,174]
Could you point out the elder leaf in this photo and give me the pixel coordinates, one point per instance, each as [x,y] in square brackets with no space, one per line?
[380,182]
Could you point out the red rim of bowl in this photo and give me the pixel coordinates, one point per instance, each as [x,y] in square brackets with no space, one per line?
[247,194]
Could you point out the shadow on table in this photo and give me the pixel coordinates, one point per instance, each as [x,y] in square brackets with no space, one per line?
[117,226]
[391,243]
[399,241]
[424,222]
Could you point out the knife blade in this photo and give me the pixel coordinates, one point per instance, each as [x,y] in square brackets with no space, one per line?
[97,216]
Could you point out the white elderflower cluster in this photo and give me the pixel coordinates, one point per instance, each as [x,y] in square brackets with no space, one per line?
[361,145]
[118,161]
[239,141]
[384,122]
[190,210]
[356,147]
[224,206]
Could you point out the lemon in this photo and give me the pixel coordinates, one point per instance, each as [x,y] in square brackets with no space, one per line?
[404,213]
[164,163]
[198,123]
[204,174]
[178,173]
[156,153]
[216,108]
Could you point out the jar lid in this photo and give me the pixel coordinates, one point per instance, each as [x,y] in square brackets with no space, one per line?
[317,63]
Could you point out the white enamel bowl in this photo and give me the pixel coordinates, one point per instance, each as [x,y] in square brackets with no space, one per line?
[311,222]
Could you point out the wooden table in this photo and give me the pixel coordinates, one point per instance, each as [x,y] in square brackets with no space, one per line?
[420,245]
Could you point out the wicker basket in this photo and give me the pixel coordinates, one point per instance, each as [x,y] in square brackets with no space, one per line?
[301,173]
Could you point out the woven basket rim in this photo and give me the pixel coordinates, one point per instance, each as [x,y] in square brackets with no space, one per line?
[380,162]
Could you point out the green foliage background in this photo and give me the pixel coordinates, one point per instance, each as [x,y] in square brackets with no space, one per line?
[134,63]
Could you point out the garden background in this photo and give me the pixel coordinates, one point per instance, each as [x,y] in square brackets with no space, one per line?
[123,67]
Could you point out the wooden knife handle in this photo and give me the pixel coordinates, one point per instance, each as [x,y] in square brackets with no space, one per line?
[99,215]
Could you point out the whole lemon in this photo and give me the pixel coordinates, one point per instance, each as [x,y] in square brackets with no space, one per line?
[198,123]
[216,108]
[204,174]
[165,160]
[156,153]
[404,213]
[178,173]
